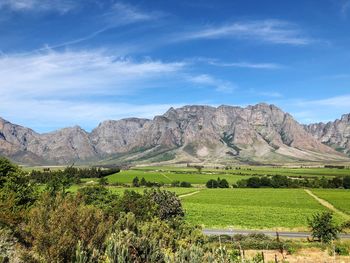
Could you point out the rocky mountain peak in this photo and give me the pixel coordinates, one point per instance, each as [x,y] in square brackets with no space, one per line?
[335,134]
[192,133]
[346,118]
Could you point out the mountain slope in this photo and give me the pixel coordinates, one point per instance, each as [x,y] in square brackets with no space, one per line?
[335,134]
[261,133]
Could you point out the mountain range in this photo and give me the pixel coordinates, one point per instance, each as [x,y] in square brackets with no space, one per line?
[259,134]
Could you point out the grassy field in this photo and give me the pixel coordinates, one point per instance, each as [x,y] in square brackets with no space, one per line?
[168,177]
[256,170]
[338,197]
[251,208]
[169,174]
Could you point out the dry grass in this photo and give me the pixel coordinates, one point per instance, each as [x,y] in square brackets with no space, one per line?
[309,255]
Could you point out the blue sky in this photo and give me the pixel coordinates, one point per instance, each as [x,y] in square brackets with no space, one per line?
[79,62]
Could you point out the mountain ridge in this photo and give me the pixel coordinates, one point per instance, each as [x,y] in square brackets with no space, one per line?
[335,134]
[193,133]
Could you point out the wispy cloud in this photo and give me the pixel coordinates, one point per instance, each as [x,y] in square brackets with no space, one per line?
[247,65]
[123,14]
[87,72]
[61,6]
[219,84]
[75,86]
[317,110]
[338,101]
[267,94]
[345,8]
[270,31]
[119,14]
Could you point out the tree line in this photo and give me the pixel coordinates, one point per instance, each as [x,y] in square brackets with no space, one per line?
[281,181]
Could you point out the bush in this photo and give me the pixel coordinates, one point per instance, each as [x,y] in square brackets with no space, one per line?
[56,225]
[138,204]
[168,204]
[98,196]
[346,182]
[323,227]
[341,250]
[185,184]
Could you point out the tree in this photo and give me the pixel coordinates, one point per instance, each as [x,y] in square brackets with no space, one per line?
[143,181]
[199,168]
[59,182]
[323,227]
[6,168]
[253,182]
[265,181]
[135,182]
[337,182]
[279,181]
[212,183]
[346,182]
[223,183]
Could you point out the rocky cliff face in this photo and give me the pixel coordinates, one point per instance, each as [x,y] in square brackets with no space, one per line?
[335,134]
[260,133]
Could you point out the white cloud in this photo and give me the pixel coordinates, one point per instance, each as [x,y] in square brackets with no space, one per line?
[247,65]
[60,88]
[318,110]
[338,101]
[59,74]
[270,31]
[218,84]
[61,6]
[122,14]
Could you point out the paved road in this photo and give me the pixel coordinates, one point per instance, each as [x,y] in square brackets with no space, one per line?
[211,232]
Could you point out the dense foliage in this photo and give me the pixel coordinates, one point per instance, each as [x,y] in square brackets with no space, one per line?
[281,181]
[219,183]
[94,225]
[72,172]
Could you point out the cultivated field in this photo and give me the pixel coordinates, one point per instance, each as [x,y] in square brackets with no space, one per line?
[168,177]
[339,198]
[257,170]
[251,208]
[263,208]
